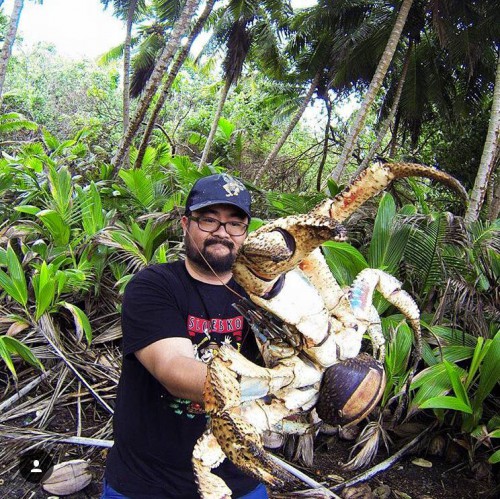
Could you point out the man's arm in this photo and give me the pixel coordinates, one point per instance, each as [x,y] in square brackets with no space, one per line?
[172,363]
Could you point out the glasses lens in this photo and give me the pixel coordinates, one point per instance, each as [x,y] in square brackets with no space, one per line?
[208,224]
[235,228]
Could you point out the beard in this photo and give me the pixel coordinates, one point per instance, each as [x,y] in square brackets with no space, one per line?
[207,260]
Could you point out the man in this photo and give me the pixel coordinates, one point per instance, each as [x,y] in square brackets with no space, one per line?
[173,316]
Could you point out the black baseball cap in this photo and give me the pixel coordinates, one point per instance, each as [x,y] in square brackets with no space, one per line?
[220,188]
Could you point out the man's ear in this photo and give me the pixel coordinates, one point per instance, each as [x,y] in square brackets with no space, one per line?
[184,223]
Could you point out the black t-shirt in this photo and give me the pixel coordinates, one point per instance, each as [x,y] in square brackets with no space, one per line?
[155,432]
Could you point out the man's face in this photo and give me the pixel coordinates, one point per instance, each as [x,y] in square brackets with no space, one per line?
[218,248]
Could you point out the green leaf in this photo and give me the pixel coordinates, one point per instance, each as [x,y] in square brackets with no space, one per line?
[333,187]
[82,322]
[140,186]
[345,261]
[446,402]
[429,383]
[9,345]
[61,188]
[255,223]
[5,355]
[44,286]
[56,225]
[490,371]
[494,458]
[15,283]
[30,210]
[382,232]
[50,141]
[226,127]
[456,383]
[93,219]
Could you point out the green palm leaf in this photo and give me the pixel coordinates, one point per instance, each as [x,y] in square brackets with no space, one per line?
[14,283]
[345,261]
[8,346]
[140,186]
[388,241]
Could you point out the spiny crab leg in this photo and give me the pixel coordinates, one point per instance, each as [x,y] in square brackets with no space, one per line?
[262,260]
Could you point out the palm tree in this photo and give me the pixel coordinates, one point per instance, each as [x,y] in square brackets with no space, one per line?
[181,57]
[389,118]
[331,48]
[126,8]
[179,30]
[488,157]
[293,123]
[238,46]
[373,89]
[237,28]
[9,41]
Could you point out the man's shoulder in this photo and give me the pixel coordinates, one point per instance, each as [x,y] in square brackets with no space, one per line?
[170,274]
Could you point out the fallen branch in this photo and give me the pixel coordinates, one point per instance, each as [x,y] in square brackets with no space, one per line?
[51,437]
[384,465]
[45,322]
[318,487]
[21,393]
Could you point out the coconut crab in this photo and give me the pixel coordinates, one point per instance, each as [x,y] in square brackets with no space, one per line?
[283,271]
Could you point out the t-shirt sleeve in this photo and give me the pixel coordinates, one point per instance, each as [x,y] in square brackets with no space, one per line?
[151,310]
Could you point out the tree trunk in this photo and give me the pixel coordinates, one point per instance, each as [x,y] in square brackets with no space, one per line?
[494,201]
[154,81]
[126,71]
[215,122]
[373,89]
[394,138]
[174,70]
[488,157]
[387,122]
[325,142]
[8,42]
[291,126]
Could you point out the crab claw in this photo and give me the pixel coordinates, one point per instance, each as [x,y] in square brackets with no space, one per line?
[280,246]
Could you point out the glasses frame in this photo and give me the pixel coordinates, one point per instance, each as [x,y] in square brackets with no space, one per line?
[223,224]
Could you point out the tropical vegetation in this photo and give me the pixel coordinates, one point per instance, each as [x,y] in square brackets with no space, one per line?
[96,161]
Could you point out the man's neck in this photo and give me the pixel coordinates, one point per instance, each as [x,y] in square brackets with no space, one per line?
[207,276]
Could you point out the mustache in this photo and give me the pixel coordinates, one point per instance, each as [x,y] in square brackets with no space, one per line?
[216,240]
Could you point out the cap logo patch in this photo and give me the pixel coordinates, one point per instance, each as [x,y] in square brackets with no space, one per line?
[232,186]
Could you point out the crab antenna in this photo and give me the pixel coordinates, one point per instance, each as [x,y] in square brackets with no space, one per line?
[374,180]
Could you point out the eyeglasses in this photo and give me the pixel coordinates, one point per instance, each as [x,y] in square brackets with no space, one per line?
[209,224]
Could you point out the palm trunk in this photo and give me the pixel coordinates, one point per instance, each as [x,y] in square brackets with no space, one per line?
[154,81]
[373,89]
[179,61]
[215,122]
[126,71]
[387,122]
[325,142]
[291,126]
[488,157]
[494,201]
[394,138]
[9,41]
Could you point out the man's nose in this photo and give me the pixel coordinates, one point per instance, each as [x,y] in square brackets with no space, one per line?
[221,232]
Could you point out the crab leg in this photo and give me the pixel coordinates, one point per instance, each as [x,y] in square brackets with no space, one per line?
[231,430]
[374,180]
[207,454]
[280,246]
[361,294]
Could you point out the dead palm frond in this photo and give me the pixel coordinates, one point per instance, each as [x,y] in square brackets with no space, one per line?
[368,444]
